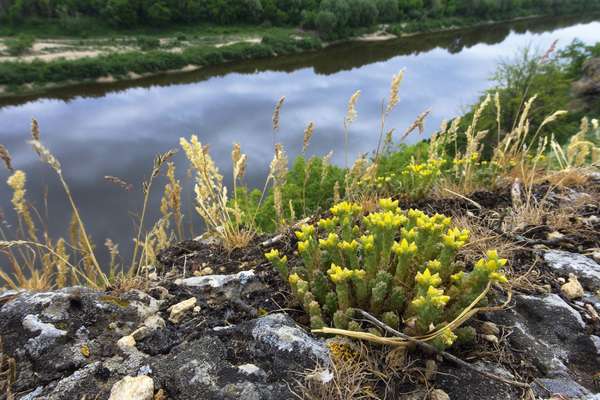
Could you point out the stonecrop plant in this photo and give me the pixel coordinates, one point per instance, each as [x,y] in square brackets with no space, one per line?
[398,265]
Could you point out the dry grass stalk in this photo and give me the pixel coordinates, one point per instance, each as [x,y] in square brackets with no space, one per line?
[278,172]
[419,123]
[170,203]
[308,134]
[159,161]
[392,102]
[35,130]
[49,158]
[394,98]
[17,183]
[276,115]
[113,251]
[212,198]
[5,157]
[353,374]
[350,117]
[61,262]
[8,373]
[119,182]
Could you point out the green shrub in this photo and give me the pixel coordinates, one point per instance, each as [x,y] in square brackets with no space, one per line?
[397,265]
[147,43]
[19,45]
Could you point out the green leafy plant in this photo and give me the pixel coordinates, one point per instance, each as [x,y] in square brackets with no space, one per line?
[19,45]
[397,265]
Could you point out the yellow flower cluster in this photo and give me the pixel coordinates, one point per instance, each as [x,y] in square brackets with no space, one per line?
[491,266]
[274,255]
[388,204]
[456,238]
[427,279]
[338,274]
[404,247]
[348,246]
[306,232]
[331,241]
[433,296]
[385,220]
[424,170]
[328,224]
[346,208]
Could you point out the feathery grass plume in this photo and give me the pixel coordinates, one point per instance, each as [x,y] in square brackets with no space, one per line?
[17,183]
[155,241]
[239,170]
[308,133]
[278,172]
[276,115]
[350,117]
[354,175]
[392,101]
[61,262]
[47,157]
[498,115]
[580,148]
[336,192]
[277,112]
[5,157]
[436,144]
[325,169]
[419,123]
[35,130]
[171,200]
[119,182]
[211,197]
[113,251]
[159,160]
[394,98]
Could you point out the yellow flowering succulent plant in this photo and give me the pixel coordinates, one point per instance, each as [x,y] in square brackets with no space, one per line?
[398,265]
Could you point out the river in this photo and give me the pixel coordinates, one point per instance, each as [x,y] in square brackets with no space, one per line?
[116,129]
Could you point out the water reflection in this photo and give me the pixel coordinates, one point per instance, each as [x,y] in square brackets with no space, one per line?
[116,129]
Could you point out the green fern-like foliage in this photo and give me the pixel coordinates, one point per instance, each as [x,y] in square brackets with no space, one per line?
[398,265]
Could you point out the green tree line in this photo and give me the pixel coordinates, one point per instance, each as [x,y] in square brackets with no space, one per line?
[330,17]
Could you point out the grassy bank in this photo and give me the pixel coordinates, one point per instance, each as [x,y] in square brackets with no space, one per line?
[20,76]
[108,55]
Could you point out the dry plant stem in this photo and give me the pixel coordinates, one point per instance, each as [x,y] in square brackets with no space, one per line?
[141,225]
[429,348]
[26,243]
[90,249]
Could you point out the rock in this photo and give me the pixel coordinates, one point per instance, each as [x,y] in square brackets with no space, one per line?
[126,343]
[47,334]
[439,394]
[218,281]
[465,384]
[133,388]
[584,268]
[178,310]
[561,385]
[251,369]
[572,290]
[550,335]
[154,322]
[278,332]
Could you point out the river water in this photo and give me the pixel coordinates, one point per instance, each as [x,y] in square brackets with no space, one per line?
[116,129]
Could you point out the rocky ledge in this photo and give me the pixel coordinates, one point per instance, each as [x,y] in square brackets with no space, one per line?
[215,325]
